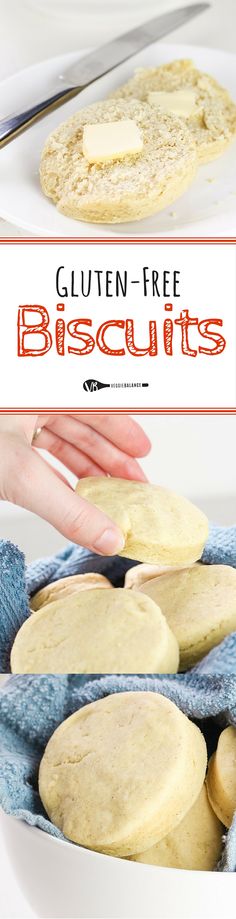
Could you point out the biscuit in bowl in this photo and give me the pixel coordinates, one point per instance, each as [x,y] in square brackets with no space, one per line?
[199,604]
[64,587]
[121,772]
[139,574]
[221,777]
[194,845]
[107,631]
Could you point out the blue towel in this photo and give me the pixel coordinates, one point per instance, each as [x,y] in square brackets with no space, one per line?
[17,583]
[31,707]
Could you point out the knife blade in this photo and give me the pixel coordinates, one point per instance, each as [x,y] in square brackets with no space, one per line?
[109,56]
[98,63]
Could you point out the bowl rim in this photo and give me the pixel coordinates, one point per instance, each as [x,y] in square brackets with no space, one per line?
[91,853]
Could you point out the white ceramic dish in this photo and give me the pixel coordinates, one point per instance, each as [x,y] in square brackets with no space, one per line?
[63,881]
[211,198]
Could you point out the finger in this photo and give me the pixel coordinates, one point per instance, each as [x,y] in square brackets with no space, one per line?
[101,451]
[34,485]
[56,472]
[120,429]
[72,458]
[22,425]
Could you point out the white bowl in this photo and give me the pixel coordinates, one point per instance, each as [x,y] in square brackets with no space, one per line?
[65,881]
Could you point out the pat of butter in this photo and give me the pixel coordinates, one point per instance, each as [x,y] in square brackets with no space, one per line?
[111,141]
[179,102]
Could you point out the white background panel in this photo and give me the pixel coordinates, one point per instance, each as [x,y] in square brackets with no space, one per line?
[207,290]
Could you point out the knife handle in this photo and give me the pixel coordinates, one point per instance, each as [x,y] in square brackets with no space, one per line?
[15,124]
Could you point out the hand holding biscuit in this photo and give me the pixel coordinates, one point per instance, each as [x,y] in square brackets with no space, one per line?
[86,445]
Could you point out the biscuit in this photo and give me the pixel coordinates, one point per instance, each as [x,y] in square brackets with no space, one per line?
[107,631]
[221,777]
[121,772]
[199,604]
[127,189]
[139,574]
[194,845]
[159,527]
[58,590]
[213,123]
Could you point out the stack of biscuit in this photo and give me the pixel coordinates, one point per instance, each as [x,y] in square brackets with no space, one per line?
[125,776]
[178,117]
[171,612]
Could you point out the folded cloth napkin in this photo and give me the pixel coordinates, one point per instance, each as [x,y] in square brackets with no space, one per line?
[31,707]
[18,583]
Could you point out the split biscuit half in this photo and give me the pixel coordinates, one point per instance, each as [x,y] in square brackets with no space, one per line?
[212,121]
[128,188]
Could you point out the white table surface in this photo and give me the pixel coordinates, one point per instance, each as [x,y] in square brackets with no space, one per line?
[29,33]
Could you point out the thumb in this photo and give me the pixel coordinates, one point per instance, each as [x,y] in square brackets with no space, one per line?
[36,487]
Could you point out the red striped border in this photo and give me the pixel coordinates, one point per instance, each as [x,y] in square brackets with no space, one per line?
[218,410]
[121,240]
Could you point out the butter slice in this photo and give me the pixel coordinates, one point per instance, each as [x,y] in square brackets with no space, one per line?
[179,102]
[111,141]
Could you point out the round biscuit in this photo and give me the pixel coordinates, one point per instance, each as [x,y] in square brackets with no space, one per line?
[194,845]
[221,777]
[159,527]
[107,631]
[121,772]
[199,604]
[64,587]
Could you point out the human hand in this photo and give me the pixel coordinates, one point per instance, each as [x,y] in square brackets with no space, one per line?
[87,444]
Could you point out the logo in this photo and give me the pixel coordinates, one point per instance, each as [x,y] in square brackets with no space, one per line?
[95,385]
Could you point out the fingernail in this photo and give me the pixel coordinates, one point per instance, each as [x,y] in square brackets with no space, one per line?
[110,542]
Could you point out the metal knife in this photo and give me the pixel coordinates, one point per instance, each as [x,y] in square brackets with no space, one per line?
[96,64]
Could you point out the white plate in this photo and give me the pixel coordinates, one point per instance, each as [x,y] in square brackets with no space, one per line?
[207,208]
